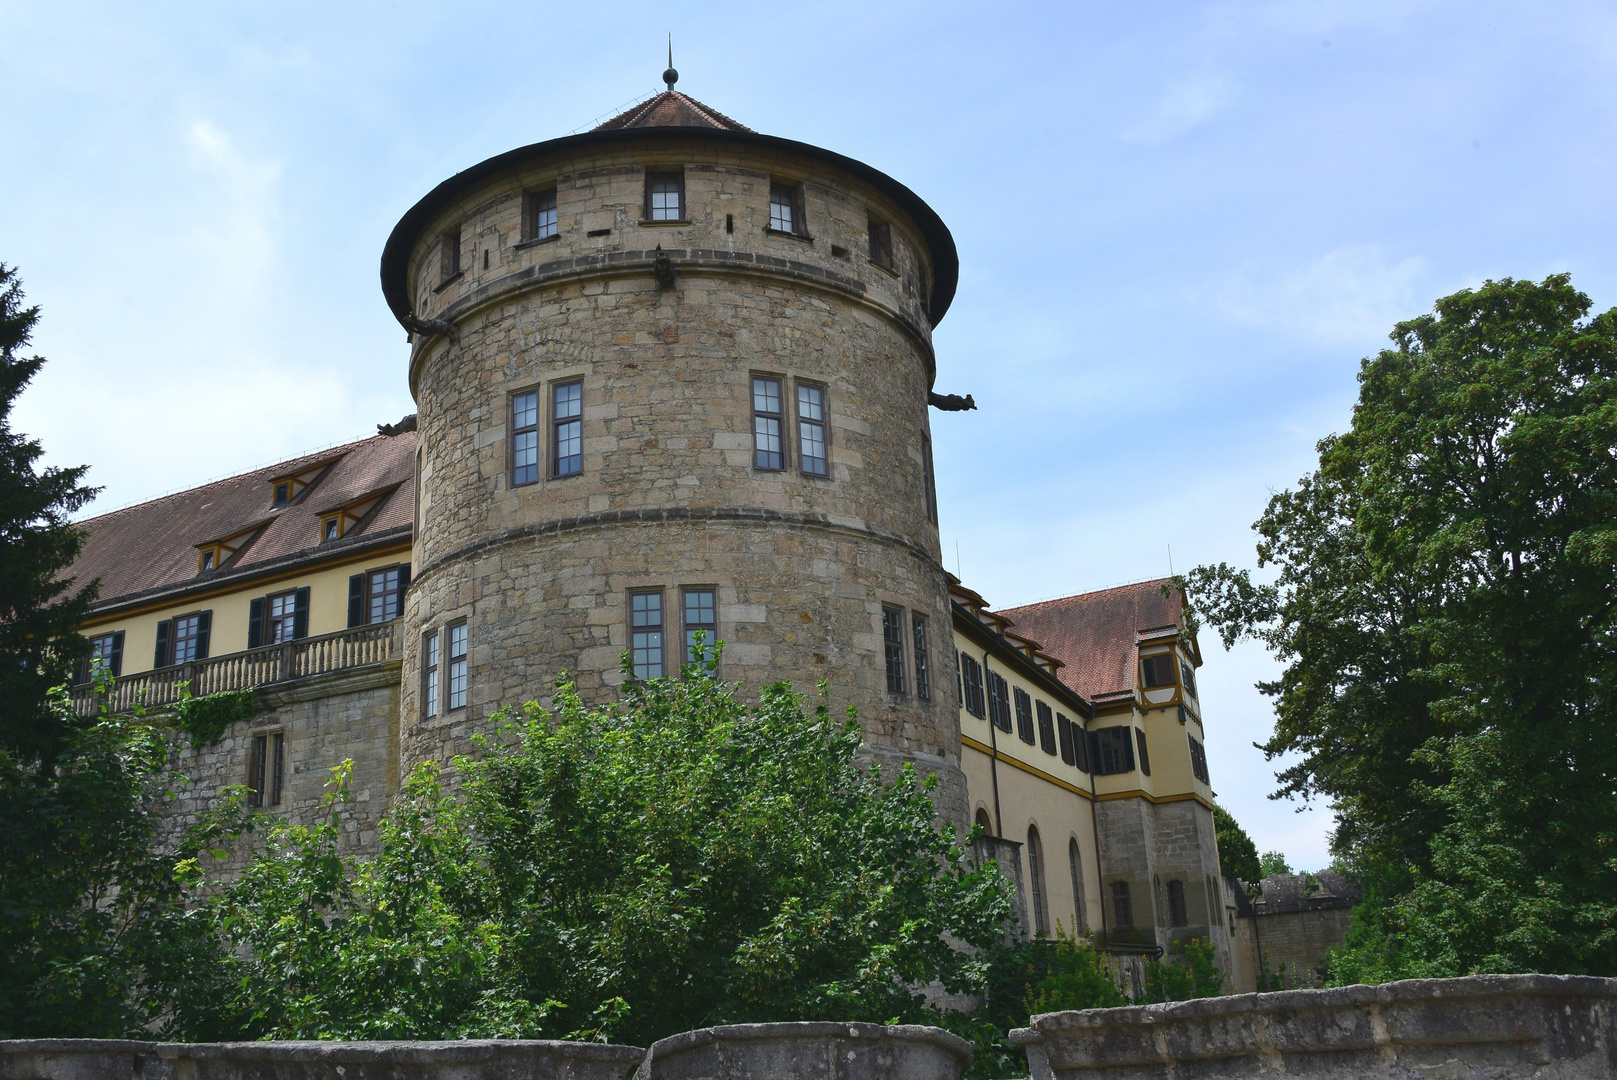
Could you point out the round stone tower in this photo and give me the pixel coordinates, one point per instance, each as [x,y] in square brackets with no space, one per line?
[673,375]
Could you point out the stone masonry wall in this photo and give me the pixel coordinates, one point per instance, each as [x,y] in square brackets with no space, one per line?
[325,720]
[668,495]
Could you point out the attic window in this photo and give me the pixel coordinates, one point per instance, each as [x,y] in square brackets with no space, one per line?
[209,559]
[330,528]
[283,493]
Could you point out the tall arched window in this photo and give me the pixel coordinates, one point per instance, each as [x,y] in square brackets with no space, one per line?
[1079,923]
[982,819]
[1035,869]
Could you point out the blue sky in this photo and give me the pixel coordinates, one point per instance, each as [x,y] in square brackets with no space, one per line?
[1180,226]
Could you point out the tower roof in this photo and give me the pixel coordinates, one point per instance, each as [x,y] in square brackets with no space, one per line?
[671,109]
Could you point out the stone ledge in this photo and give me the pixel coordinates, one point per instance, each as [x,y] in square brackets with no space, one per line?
[330,684]
[1483,1026]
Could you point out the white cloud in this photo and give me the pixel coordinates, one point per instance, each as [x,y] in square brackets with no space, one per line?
[1180,108]
[1349,296]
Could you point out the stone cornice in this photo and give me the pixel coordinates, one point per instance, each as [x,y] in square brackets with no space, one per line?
[745,515]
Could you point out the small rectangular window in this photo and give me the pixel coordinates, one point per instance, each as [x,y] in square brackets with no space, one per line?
[999,701]
[1187,676]
[892,640]
[459,642]
[106,651]
[665,196]
[430,644]
[767,451]
[971,680]
[881,243]
[567,426]
[785,213]
[330,528]
[811,420]
[449,255]
[923,670]
[1158,670]
[1113,751]
[1024,715]
[208,559]
[1177,915]
[266,769]
[646,634]
[283,493]
[187,637]
[541,215]
[701,617]
[382,592]
[281,617]
[525,438]
[931,480]
[1122,910]
[1047,730]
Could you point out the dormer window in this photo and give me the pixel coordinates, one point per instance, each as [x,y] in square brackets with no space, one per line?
[283,494]
[330,528]
[209,559]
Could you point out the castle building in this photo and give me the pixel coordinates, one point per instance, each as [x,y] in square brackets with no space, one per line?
[672,379]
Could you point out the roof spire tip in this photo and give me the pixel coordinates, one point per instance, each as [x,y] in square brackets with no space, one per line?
[670,77]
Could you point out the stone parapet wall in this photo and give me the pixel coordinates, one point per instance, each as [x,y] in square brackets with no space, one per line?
[1486,1027]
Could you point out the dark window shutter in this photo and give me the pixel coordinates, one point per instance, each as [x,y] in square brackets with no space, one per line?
[1080,744]
[300,614]
[356,600]
[1064,730]
[204,624]
[646,210]
[160,657]
[404,584]
[117,654]
[1095,757]
[1145,755]
[255,623]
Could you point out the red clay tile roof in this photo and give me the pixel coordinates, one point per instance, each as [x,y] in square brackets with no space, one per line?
[671,109]
[153,545]
[1094,634]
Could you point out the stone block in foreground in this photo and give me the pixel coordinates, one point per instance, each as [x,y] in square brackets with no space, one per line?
[814,1050]
[1485,1027]
[471,1059]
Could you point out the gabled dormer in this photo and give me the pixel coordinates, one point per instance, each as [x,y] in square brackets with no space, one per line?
[337,522]
[288,488]
[213,554]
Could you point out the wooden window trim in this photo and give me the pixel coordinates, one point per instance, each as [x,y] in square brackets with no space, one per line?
[532,207]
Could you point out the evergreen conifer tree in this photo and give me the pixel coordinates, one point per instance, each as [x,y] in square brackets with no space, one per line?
[40,605]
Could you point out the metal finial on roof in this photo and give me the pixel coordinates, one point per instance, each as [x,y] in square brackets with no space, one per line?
[670,76]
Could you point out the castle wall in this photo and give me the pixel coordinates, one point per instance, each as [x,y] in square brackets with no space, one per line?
[350,715]
[668,496]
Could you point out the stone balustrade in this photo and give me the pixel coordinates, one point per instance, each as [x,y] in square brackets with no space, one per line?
[359,646]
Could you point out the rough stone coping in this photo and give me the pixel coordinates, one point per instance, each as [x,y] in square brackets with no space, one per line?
[1499,1023]
[808,1049]
[469,1059]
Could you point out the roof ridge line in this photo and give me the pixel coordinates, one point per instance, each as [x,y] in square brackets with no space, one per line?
[1092,592]
[227,476]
